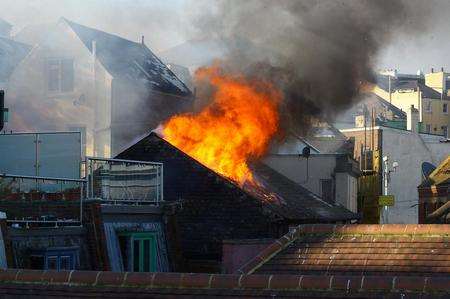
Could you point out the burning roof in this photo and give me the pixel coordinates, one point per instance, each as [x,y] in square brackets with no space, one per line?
[281,196]
[130,60]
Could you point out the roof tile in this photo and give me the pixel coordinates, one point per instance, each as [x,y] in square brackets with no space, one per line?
[172,280]
[315,282]
[254,281]
[376,283]
[285,281]
[111,278]
[139,279]
[196,280]
[225,281]
[84,277]
[362,249]
[53,276]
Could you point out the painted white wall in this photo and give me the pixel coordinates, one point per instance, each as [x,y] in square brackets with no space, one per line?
[321,166]
[410,150]
[347,191]
[294,167]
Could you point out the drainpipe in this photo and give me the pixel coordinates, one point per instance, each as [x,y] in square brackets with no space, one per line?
[2,109]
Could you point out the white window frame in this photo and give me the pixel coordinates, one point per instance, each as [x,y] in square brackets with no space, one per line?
[59,62]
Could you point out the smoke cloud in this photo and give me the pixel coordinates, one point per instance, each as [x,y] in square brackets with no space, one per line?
[318,52]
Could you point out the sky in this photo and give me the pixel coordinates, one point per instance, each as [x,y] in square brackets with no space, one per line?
[167,23]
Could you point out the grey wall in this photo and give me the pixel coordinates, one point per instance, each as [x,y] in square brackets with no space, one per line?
[410,150]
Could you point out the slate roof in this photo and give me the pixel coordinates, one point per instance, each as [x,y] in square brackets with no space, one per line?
[293,200]
[329,140]
[277,193]
[5,24]
[11,53]
[130,60]
[403,83]
[369,101]
[390,249]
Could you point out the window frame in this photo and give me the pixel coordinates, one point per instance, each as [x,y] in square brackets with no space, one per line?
[140,238]
[446,106]
[57,254]
[58,63]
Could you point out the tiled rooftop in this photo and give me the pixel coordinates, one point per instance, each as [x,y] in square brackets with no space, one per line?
[95,284]
[421,250]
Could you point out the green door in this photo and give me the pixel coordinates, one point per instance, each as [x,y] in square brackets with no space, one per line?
[143,251]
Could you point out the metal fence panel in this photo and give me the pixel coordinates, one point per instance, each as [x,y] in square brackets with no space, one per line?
[18,154]
[41,154]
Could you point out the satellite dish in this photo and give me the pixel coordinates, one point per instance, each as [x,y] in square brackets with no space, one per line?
[306,151]
[427,169]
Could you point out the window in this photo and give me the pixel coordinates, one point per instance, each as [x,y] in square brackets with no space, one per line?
[327,190]
[428,128]
[445,108]
[60,75]
[138,251]
[445,131]
[54,259]
[428,107]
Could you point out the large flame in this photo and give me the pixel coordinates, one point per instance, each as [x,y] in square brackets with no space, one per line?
[235,128]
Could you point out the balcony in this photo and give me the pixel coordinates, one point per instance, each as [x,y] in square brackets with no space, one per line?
[31,201]
[35,201]
[115,181]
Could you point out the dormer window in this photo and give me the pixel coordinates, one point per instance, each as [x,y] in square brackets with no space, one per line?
[60,75]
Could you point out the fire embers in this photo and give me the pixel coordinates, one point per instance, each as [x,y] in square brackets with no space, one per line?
[234,128]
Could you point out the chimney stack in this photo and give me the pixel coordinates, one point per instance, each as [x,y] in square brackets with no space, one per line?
[94,48]
[412,119]
[432,70]
[142,40]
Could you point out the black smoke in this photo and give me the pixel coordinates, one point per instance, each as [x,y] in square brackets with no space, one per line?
[318,52]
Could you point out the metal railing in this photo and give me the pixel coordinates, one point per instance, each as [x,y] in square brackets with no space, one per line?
[124,181]
[35,196]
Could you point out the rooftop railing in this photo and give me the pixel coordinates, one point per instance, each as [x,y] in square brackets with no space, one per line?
[41,201]
[119,181]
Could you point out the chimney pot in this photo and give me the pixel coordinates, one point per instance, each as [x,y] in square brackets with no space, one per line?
[432,70]
[94,48]
[142,40]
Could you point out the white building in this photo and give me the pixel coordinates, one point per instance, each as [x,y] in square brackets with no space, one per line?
[409,149]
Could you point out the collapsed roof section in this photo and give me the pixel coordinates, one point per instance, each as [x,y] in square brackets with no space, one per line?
[129,60]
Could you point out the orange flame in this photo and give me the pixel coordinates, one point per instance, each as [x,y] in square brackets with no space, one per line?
[235,128]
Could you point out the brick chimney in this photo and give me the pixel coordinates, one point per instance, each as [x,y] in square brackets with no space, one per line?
[412,119]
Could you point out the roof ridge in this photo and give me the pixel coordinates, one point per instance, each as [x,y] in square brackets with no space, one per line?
[70,23]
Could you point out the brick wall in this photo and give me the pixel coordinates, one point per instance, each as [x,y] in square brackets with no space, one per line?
[236,253]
